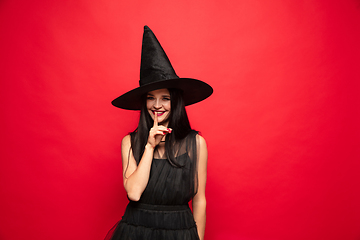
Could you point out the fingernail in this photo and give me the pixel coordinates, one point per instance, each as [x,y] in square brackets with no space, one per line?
[164,133]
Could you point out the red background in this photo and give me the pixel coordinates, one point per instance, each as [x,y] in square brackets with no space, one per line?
[282,126]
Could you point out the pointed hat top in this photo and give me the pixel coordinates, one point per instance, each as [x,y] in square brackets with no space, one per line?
[156,72]
[155,65]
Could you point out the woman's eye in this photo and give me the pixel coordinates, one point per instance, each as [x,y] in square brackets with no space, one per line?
[149,98]
[166,99]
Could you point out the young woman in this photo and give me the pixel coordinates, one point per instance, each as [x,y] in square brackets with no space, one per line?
[164,160]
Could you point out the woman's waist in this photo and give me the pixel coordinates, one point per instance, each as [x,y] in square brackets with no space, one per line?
[159,207]
[159,216]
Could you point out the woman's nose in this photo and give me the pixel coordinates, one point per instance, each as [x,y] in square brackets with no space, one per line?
[157,103]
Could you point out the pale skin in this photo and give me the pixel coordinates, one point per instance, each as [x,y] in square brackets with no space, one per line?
[136,176]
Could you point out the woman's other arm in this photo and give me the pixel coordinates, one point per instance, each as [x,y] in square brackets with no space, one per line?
[199,200]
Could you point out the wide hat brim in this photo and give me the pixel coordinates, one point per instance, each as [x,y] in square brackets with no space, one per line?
[193,91]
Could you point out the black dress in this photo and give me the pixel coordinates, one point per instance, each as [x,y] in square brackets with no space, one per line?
[163,213]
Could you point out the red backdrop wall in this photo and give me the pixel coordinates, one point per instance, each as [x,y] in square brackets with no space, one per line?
[282,126]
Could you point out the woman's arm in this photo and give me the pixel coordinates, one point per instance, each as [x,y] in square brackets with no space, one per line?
[199,200]
[136,177]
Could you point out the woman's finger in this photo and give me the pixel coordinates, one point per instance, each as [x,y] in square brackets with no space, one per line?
[163,128]
[155,119]
[161,132]
[154,132]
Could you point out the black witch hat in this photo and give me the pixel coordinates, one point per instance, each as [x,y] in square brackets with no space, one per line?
[156,72]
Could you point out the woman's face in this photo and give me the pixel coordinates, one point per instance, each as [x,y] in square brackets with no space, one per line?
[158,101]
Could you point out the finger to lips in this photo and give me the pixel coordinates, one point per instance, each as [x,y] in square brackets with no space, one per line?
[155,119]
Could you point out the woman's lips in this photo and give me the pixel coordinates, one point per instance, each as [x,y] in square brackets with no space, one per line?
[159,113]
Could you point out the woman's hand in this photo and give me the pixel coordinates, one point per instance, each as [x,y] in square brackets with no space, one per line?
[157,132]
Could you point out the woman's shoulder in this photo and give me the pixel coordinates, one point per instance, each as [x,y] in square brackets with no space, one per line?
[126,141]
[197,137]
[200,141]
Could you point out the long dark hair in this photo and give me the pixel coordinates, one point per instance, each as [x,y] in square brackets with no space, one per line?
[178,122]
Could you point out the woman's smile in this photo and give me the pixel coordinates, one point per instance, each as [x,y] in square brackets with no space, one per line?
[159,113]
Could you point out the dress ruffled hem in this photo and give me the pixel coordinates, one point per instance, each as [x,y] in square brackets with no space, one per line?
[126,231]
[147,222]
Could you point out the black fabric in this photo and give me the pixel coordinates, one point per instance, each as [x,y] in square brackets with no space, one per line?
[162,213]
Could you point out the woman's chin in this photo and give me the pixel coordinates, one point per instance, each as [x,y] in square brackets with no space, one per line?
[164,122]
